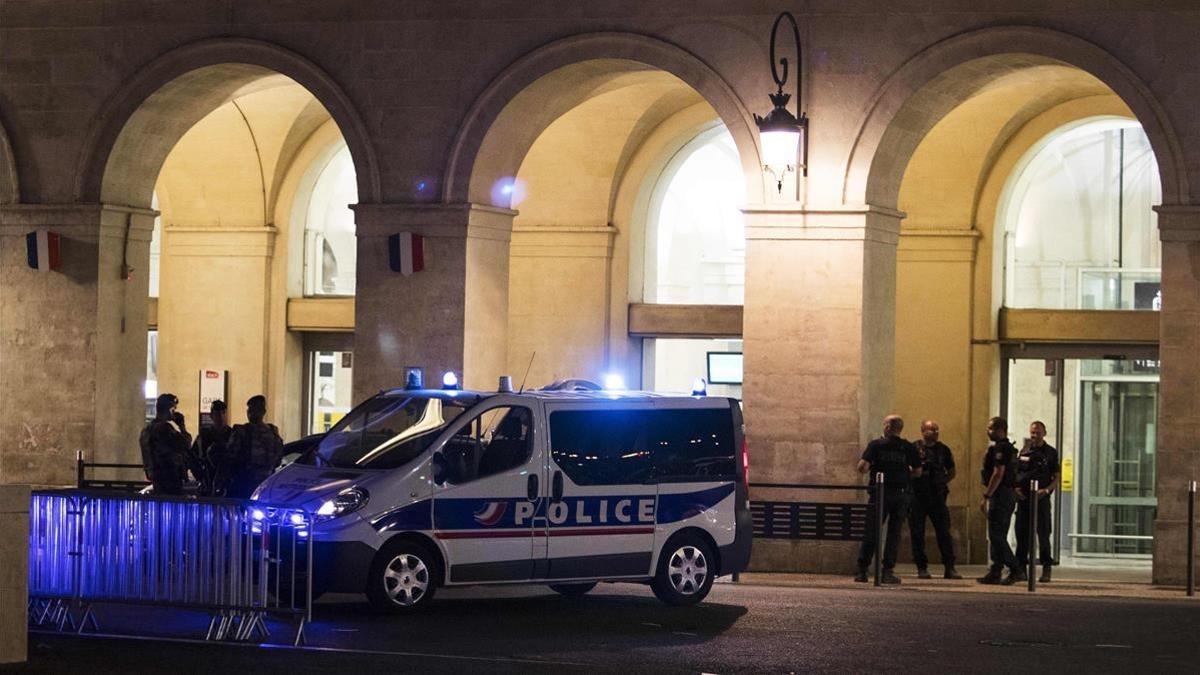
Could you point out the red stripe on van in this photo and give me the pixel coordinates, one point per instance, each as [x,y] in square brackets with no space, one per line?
[591,531]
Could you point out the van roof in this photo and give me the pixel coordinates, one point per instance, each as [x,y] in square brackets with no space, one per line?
[472,397]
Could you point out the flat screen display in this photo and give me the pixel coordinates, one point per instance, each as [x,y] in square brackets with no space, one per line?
[724,368]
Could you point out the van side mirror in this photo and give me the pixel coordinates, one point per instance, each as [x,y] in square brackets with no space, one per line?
[440,468]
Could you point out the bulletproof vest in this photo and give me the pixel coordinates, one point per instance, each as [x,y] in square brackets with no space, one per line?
[1034,464]
[259,445]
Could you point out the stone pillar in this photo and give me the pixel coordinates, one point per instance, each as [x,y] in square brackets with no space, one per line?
[72,341]
[1178,455]
[214,311]
[14,572]
[452,315]
[819,332]
[568,329]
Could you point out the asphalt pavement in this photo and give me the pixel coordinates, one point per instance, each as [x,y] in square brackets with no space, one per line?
[622,627]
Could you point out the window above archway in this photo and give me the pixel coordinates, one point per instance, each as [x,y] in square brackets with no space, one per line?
[1081,232]
[330,246]
[696,238]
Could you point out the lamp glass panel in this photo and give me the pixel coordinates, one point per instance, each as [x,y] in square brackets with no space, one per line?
[780,148]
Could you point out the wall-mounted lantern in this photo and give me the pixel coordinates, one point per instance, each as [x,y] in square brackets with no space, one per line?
[784,136]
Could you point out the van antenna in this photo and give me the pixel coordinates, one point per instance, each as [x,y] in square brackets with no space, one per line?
[527,368]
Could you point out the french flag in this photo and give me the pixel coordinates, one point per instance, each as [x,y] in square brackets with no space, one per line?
[406,253]
[41,250]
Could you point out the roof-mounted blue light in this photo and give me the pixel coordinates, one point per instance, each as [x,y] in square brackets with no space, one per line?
[614,382]
[414,380]
[450,380]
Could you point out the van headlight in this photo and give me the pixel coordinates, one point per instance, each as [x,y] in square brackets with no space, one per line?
[346,501]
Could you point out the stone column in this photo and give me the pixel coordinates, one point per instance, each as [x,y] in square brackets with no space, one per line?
[559,296]
[214,311]
[14,572]
[452,315]
[819,332]
[72,341]
[1178,455]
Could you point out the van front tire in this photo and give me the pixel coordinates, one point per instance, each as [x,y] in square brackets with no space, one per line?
[404,577]
[686,570]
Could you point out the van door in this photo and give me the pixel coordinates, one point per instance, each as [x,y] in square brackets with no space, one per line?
[602,501]
[483,508]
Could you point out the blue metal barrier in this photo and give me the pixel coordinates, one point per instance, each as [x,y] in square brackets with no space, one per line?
[240,561]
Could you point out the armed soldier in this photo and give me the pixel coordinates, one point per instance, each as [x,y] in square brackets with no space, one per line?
[255,449]
[164,444]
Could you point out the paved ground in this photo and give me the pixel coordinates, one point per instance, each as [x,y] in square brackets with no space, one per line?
[742,628]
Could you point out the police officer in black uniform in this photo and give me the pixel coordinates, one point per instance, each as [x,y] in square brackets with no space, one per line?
[998,502]
[1037,461]
[897,460]
[929,500]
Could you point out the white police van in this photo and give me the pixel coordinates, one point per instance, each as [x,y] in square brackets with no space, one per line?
[420,488]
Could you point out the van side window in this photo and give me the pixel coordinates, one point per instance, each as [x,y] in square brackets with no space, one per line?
[692,444]
[497,440]
[601,447]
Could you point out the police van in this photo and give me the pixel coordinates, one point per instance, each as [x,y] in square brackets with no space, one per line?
[568,486]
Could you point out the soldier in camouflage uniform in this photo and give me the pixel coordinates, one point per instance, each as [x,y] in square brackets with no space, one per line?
[164,444]
[255,449]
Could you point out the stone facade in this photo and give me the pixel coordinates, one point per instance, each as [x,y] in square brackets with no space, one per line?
[438,101]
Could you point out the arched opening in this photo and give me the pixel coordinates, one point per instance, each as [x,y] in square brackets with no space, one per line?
[1004,149]
[222,168]
[599,159]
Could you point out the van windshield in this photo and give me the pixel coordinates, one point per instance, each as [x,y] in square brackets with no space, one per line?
[385,432]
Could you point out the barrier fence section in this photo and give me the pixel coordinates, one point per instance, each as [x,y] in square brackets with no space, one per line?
[240,561]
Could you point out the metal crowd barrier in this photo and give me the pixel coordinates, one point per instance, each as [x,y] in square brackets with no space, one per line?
[239,561]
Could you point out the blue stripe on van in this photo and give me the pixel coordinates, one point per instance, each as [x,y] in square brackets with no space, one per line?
[572,512]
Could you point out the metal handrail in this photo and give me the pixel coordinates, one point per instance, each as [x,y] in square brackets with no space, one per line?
[812,486]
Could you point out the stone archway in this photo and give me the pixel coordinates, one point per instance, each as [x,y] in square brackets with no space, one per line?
[142,122]
[945,74]
[541,86]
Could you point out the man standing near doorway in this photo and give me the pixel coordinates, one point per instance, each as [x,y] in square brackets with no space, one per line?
[897,460]
[1037,461]
[998,502]
[256,449]
[930,490]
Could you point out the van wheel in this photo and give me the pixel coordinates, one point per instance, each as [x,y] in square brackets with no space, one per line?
[685,571]
[404,577]
[573,591]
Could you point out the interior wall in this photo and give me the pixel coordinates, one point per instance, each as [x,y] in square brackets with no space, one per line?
[225,255]
[569,262]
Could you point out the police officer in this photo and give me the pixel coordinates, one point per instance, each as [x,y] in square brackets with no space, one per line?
[998,502]
[209,460]
[255,448]
[929,500]
[164,445]
[897,460]
[1037,461]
